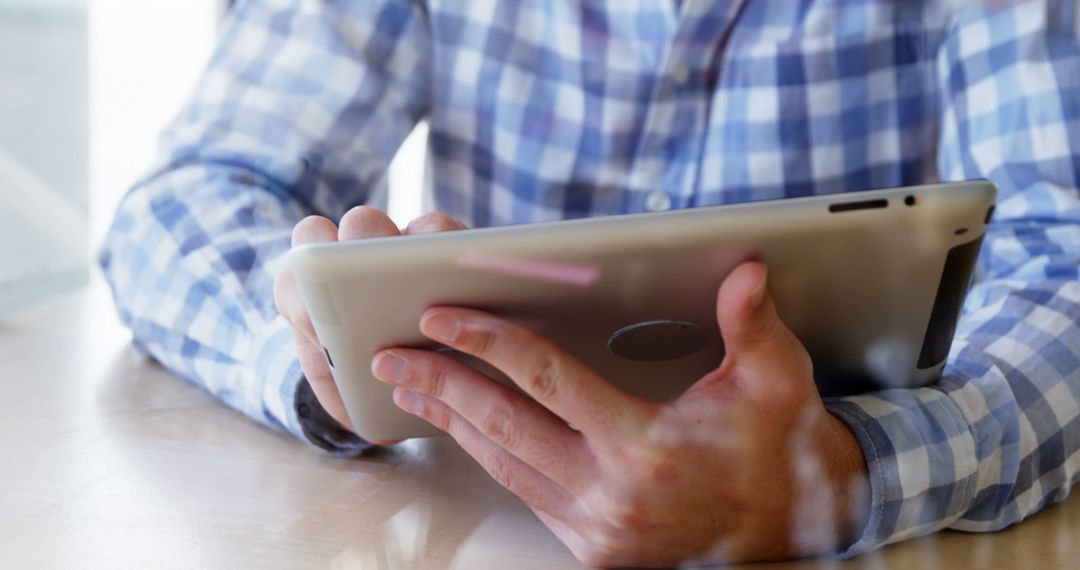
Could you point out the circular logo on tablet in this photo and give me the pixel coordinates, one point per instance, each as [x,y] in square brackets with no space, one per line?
[653,341]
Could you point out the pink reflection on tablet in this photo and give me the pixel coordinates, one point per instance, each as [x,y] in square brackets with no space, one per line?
[578,274]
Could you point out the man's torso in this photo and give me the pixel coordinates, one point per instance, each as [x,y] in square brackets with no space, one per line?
[548,110]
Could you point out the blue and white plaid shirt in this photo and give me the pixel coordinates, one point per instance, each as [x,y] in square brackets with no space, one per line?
[541,110]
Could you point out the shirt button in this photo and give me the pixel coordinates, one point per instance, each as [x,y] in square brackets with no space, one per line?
[681,73]
[657,201]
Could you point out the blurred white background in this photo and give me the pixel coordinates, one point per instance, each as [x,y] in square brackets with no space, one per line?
[145,58]
[44,120]
[85,88]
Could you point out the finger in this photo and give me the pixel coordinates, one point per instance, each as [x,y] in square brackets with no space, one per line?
[509,419]
[317,371]
[291,305]
[313,229]
[287,298]
[545,372]
[520,479]
[434,222]
[366,222]
[756,341]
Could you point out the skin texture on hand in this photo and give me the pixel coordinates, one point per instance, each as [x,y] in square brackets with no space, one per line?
[358,223]
[746,465]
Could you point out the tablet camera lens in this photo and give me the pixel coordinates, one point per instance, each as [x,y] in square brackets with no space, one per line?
[911,200]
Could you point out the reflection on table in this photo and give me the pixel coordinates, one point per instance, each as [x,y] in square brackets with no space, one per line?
[114,462]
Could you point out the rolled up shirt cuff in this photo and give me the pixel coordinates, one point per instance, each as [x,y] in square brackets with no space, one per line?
[320,429]
[920,460]
[288,400]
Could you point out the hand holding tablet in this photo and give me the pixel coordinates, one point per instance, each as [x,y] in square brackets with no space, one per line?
[359,223]
[722,471]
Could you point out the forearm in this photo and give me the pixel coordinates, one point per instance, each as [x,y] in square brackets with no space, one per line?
[190,258]
[298,113]
[849,478]
[1019,392]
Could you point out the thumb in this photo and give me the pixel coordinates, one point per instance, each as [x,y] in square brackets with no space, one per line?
[755,337]
[762,357]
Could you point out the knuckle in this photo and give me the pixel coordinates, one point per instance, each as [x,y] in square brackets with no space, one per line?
[661,471]
[440,417]
[629,516]
[762,330]
[618,508]
[436,383]
[498,466]
[624,507]
[543,379]
[655,454]
[499,426]
[483,342]
[608,544]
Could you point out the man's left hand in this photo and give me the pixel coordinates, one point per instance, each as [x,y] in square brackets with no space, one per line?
[746,465]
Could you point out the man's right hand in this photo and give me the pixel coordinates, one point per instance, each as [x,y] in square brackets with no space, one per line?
[358,223]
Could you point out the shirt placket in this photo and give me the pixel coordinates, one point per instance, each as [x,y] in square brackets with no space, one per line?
[669,152]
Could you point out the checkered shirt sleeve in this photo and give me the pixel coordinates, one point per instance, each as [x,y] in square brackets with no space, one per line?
[299,113]
[998,437]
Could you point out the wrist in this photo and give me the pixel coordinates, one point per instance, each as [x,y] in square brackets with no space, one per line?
[848,476]
[827,504]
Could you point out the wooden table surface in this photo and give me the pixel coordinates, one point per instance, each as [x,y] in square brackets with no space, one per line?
[109,461]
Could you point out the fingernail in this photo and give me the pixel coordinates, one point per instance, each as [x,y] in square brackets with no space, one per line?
[757,296]
[409,401]
[440,327]
[390,368]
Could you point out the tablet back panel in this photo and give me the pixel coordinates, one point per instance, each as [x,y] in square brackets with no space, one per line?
[870,282]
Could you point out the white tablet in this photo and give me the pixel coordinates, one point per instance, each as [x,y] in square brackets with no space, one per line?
[871,282]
